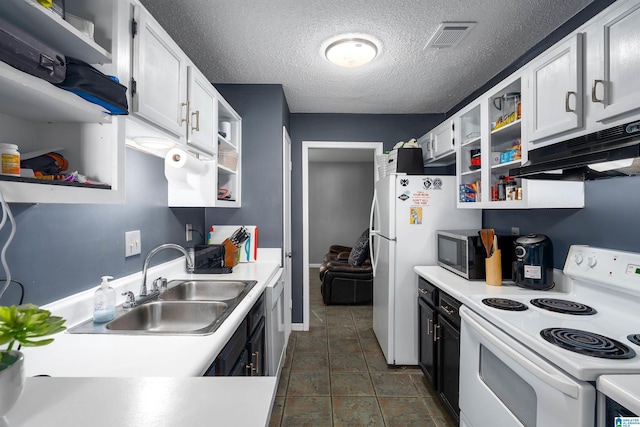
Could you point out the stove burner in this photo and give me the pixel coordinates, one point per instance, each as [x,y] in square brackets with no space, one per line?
[634,338]
[587,343]
[505,304]
[563,306]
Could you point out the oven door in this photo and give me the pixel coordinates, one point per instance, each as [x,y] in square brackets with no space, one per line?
[503,383]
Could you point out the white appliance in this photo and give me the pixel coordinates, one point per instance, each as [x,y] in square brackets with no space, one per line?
[275,326]
[406,212]
[535,363]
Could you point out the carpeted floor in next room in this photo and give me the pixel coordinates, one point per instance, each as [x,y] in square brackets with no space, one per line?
[336,375]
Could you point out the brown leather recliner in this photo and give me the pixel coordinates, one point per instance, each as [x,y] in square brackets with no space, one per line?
[347,274]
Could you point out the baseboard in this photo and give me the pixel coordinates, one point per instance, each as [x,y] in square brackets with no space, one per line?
[297,326]
[314,265]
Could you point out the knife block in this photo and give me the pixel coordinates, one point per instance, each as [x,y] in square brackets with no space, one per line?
[493,269]
[230,254]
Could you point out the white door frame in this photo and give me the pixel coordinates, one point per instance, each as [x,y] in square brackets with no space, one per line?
[377,147]
[286,229]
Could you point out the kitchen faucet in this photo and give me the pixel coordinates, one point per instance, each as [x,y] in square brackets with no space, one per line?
[155,291]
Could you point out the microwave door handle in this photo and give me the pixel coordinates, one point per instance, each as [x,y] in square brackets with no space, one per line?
[372,232]
[557,382]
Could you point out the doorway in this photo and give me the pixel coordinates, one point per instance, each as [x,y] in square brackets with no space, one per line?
[332,153]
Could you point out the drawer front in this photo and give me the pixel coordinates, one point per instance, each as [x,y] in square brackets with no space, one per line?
[428,292]
[255,314]
[449,308]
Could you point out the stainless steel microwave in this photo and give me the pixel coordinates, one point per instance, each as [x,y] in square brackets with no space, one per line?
[462,252]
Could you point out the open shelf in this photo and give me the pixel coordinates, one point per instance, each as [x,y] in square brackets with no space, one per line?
[46,25]
[31,98]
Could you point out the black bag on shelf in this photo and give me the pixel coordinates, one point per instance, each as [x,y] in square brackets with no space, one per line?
[96,87]
[26,53]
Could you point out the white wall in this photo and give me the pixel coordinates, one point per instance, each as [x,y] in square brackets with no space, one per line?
[340,197]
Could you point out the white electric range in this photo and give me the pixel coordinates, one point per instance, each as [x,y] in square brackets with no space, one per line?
[532,359]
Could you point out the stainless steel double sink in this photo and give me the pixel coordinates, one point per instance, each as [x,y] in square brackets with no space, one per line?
[187,307]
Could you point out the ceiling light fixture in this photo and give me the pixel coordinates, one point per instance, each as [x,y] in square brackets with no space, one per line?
[351,51]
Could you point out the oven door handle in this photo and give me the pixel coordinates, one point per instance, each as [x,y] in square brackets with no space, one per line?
[559,383]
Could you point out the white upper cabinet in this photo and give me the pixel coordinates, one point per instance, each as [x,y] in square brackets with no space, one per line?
[442,140]
[613,67]
[203,108]
[555,78]
[160,75]
[438,145]
[492,135]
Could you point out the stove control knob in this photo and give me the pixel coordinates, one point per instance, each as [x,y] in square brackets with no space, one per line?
[592,261]
[578,259]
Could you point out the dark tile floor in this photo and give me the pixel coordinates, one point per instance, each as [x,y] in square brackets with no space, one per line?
[336,375]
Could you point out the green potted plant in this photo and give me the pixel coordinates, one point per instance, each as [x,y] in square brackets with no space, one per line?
[24,324]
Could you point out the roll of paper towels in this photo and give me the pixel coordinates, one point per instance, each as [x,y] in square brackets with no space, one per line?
[182,169]
[225,127]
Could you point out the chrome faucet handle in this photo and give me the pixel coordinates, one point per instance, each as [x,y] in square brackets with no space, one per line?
[163,284]
[154,286]
[130,301]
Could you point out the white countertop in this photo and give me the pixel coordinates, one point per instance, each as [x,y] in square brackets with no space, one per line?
[462,289]
[112,355]
[141,402]
[624,389]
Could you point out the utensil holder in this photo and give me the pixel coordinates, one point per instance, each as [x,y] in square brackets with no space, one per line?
[493,269]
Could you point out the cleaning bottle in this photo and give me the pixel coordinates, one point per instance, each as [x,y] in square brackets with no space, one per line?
[210,237]
[104,302]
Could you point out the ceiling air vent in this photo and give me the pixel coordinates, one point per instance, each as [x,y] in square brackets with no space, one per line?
[450,34]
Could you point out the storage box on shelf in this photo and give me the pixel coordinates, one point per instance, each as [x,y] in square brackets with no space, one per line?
[40,117]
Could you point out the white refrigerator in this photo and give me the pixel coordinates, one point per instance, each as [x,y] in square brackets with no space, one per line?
[405,213]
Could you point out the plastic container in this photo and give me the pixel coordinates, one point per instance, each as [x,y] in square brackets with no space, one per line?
[228,159]
[10,158]
[104,302]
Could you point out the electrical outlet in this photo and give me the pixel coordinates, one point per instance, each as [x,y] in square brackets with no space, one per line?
[189,232]
[132,243]
[515,231]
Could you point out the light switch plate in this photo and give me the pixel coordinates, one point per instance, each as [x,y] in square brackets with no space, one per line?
[132,243]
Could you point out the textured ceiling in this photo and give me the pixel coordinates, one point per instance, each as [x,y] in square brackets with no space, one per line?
[280,41]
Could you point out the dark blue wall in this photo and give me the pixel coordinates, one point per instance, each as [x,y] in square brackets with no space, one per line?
[264,111]
[59,250]
[386,128]
[609,219]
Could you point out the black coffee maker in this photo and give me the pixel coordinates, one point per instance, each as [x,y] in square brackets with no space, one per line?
[534,262]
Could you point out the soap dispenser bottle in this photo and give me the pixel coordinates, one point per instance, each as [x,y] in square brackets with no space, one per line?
[104,302]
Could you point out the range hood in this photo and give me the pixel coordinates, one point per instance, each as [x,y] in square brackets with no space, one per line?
[610,152]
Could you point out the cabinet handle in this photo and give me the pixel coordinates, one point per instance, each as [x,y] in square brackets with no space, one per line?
[249,367]
[447,310]
[429,327]
[185,118]
[197,127]
[423,292]
[435,332]
[594,97]
[257,368]
[567,107]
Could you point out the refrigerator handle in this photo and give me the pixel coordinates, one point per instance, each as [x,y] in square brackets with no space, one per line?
[372,232]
